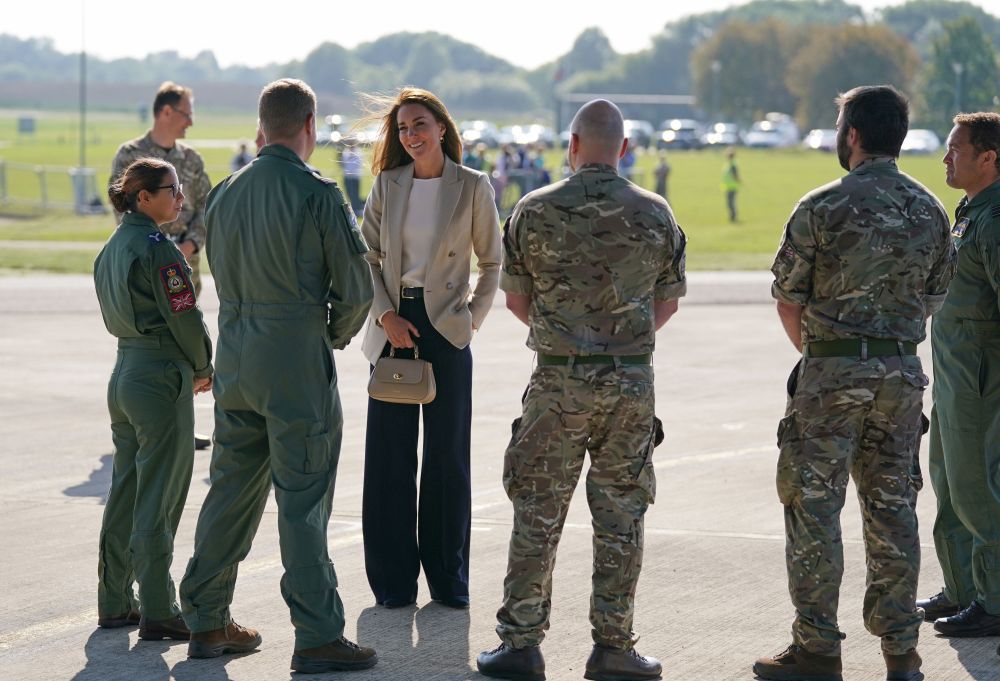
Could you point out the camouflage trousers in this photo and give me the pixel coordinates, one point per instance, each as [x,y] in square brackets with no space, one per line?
[568,412]
[848,417]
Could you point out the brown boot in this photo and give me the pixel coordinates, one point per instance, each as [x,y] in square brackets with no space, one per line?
[905,667]
[126,619]
[230,639]
[797,664]
[157,630]
[615,664]
[341,655]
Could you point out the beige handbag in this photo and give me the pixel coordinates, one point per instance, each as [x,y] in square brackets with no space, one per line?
[404,381]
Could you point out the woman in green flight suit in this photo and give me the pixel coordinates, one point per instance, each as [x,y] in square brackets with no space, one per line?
[164,358]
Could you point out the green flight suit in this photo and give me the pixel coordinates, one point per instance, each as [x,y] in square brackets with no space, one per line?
[148,302]
[288,263]
[965,421]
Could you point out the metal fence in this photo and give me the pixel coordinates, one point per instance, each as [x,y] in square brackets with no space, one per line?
[45,187]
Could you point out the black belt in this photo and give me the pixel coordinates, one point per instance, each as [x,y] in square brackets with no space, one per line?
[863,348]
[569,360]
[410,292]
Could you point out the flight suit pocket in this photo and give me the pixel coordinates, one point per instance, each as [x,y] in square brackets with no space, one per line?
[317,454]
[180,377]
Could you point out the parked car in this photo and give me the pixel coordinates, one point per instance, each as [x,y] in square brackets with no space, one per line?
[526,135]
[776,130]
[639,133]
[821,139]
[722,134]
[474,132]
[679,133]
[920,141]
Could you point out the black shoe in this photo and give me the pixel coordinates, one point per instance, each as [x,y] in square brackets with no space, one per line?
[341,655]
[202,442]
[614,664]
[972,622]
[393,603]
[518,664]
[157,630]
[938,606]
[456,603]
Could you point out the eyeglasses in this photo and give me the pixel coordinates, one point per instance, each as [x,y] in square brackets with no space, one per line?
[187,114]
[175,189]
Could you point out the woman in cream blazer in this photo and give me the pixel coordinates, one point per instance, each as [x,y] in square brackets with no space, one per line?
[424,219]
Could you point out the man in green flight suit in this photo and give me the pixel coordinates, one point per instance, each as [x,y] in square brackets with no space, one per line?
[965,421]
[292,281]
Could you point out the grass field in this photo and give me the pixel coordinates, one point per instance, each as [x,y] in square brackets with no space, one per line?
[772,182]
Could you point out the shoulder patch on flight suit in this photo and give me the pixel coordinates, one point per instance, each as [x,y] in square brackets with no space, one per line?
[960,227]
[156,237]
[360,246]
[178,288]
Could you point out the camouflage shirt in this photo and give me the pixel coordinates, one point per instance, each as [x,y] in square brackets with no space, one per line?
[190,224]
[866,255]
[593,252]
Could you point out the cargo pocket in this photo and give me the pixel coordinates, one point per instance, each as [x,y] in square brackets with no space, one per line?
[509,466]
[916,475]
[789,479]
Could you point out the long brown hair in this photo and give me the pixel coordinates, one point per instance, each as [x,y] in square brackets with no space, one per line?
[389,152]
[143,173]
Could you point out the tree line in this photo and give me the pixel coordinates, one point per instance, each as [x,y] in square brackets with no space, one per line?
[766,55]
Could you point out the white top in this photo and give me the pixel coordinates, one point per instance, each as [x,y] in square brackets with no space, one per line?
[419,227]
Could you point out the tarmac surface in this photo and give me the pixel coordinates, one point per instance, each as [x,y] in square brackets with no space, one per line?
[712,596]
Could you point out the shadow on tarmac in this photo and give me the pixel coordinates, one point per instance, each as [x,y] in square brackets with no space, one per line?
[110,657]
[970,655]
[99,482]
[441,648]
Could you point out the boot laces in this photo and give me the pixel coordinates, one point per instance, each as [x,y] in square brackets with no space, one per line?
[349,643]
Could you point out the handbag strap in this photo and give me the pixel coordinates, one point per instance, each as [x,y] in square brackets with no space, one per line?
[416,350]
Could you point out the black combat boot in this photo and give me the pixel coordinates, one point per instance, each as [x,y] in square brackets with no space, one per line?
[972,622]
[797,664]
[937,606]
[615,664]
[341,655]
[517,664]
[905,667]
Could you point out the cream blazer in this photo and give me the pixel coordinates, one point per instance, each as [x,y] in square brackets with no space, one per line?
[467,223]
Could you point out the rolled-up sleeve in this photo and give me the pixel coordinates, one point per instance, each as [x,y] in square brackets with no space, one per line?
[514,274]
[671,284]
[793,265]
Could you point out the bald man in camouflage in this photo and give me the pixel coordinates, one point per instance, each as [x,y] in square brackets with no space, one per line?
[594,266]
[863,262]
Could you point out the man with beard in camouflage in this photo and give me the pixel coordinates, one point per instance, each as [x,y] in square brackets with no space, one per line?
[863,262]
[173,114]
[594,266]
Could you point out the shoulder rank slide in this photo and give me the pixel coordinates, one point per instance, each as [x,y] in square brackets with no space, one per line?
[178,288]
[960,227]
[995,211]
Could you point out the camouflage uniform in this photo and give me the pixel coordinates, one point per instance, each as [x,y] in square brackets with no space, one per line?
[868,256]
[593,252]
[190,224]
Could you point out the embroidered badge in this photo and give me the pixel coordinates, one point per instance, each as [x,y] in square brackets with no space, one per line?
[178,288]
[960,227]
[156,237]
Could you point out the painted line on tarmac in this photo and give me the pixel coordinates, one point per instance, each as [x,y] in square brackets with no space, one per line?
[672,462]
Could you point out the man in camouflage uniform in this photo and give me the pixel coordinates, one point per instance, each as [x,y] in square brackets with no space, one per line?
[593,265]
[863,262]
[173,114]
[965,422]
